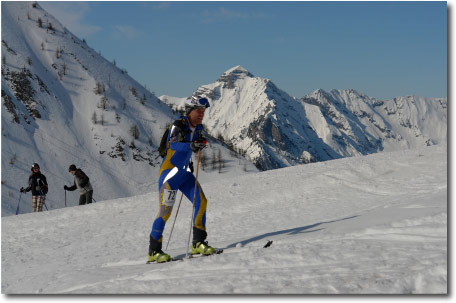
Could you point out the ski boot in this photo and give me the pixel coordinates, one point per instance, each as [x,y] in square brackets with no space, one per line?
[155,252]
[158,256]
[202,248]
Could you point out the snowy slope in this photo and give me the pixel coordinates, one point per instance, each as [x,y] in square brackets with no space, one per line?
[373,224]
[52,86]
[273,129]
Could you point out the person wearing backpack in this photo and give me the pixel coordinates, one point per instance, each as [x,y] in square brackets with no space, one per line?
[183,137]
[39,187]
[81,182]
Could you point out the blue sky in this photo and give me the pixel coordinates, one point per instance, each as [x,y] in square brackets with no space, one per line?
[383,49]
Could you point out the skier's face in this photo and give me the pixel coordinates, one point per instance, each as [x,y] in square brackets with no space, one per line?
[196,116]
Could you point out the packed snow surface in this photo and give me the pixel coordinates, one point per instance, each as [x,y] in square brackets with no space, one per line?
[372,224]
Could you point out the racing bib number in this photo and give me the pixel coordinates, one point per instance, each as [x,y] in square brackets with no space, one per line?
[169,197]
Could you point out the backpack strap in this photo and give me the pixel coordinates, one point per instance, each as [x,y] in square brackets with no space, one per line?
[164,143]
[182,125]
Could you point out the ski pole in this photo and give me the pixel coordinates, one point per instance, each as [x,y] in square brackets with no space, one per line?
[194,197]
[65,197]
[175,217]
[17,209]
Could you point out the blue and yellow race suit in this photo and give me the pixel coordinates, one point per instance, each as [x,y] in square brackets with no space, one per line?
[175,175]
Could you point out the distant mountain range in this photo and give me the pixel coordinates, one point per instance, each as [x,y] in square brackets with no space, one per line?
[273,129]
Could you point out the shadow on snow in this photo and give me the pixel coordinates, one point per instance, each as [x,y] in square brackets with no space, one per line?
[291,231]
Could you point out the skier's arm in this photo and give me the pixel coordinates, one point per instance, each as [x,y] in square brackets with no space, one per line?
[43,179]
[29,187]
[72,187]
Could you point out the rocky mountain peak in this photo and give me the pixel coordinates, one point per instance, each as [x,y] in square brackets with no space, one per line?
[229,77]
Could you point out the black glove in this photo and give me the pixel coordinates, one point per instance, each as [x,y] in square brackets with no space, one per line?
[190,165]
[198,144]
[65,187]
[22,190]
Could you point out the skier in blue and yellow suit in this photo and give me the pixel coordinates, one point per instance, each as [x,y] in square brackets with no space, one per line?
[185,137]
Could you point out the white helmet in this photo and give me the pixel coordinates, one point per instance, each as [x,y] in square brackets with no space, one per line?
[195,102]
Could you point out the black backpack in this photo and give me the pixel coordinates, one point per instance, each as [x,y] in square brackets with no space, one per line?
[163,148]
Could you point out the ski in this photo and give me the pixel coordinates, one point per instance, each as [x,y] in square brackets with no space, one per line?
[217,252]
[193,256]
[171,260]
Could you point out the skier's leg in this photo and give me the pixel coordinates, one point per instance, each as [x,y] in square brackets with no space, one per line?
[34,203]
[169,181]
[167,197]
[199,245]
[40,202]
[89,197]
[166,200]
[199,217]
[82,199]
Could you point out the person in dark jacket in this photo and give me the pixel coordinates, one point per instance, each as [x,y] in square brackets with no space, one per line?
[39,187]
[81,182]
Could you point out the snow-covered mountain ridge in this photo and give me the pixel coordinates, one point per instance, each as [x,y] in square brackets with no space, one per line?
[403,122]
[273,129]
[63,103]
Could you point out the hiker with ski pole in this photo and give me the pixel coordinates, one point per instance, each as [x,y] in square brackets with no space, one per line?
[81,182]
[39,187]
[182,138]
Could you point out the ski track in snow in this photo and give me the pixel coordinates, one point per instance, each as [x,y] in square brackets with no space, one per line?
[364,225]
